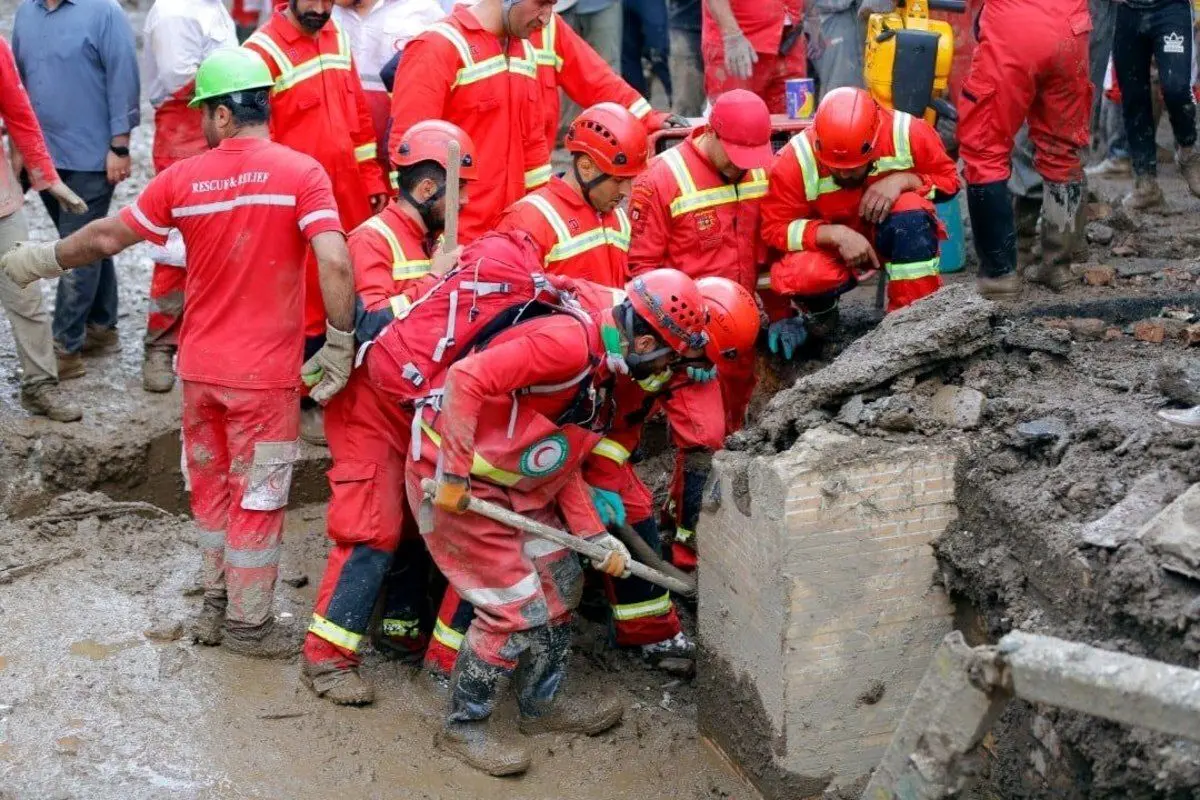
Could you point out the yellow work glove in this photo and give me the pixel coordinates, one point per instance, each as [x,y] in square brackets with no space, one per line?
[29,261]
[453,493]
[326,373]
[616,563]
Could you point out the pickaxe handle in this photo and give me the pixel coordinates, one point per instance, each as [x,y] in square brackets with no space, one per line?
[453,166]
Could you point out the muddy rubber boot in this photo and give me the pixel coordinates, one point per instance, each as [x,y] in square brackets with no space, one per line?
[208,627]
[1081,251]
[1060,204]
[994,225]
[312,426]
[468,734]
[100,341]
[338,682]
[1026,212]
[1189,167]
[46,400]
[70,365]
[1183,417]
[158,370]
[587,715]
[539,683]
[274,639]
[1146,194]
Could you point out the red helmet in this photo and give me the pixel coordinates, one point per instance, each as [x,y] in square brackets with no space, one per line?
[846,128]
[428,141]
[670,302]
[733,318]
[612,137]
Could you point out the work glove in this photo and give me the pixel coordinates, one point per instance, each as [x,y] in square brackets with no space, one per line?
[740,57]
[67,198]
[675,121]
[616,563]
[609,506]
[702,375]
[453,493]
[787,336]
[26,262]
[326,373]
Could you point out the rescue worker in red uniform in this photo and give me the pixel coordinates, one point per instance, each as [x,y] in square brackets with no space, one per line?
[394,261]
[1031,64]
[242,337]
[179,34]
[754,45]
[576,220]
[525,590]
[319,109]
[852,194]
[478,70]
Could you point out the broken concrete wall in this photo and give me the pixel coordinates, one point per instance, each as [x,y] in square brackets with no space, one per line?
[818,601]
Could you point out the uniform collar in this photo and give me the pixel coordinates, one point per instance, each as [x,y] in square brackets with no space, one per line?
[407,227]
[240,144]
[291,33]
[569,195]
[690,142]
[463,16]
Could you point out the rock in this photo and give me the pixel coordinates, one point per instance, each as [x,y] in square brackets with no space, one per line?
[1103,275]
[1087,328]
[1150,330]
[1112,334]
[1039,431]
[892,413]
[958,407]
[1191,334]
[852,411]
[296,580]
[164,631]
[1174,535]
[1140,266]
[1123,522]
[1099,233]
[679,667]
[1098,211]
[68,745]
[1037,338]
[1125,248]
[1179,381]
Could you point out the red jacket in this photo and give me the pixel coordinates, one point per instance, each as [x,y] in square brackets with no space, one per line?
[457,71]
[391,258]
[24,133]
[802,199]
[568,62]
[685,215]
[575,240]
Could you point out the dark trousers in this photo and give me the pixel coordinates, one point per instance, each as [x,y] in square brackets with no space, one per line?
[1165,35]
[644,34]
[88,295]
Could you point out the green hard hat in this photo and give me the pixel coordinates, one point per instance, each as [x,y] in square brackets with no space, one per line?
[228,70]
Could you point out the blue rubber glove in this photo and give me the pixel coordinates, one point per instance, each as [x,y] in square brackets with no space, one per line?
[787,336]
[700,375]
[609,506]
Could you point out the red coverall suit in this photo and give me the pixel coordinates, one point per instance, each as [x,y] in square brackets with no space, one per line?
[763,23]
[803,197]
[1031,63]
[318,107]
[459,72]
[240,348]
[369,439]
[575,240]
[524,589]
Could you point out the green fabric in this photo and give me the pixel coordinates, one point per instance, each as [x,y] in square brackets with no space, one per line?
[229,70]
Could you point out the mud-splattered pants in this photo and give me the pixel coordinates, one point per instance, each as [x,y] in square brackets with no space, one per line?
[771,73]
[240,445]
[166,307]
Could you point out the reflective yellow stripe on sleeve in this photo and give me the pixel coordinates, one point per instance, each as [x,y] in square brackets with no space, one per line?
[447,636]
[479,466]
[903,159]
[365,152]
[795,234]
[335,634]
[399,305]
[655,607]
[403,267]
[612,450]
[640,108]
[764,281]
[537,176]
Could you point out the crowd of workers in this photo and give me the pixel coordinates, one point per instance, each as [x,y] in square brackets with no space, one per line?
[503,337]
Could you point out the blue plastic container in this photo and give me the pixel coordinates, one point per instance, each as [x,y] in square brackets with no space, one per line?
[953,252]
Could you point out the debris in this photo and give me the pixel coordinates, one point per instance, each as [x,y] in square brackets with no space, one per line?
[852,411]
[1179,381]
[1103,275]
[164,631]
[1040,431]
[296,580]
[282,715]
[12,573]
[1098,211]
[1191,334]
[1150,330]
[958,407]
[681,667]
[1174,534]
[1099,233]
[1036,338]
[1112,334]
[68,745]
[1087,328]
[1182,314]
[892,413]
[1123,522]
[1126,247]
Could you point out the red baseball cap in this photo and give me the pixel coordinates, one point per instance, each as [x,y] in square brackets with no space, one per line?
[742,124]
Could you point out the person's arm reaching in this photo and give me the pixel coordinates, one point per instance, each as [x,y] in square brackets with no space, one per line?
[740,57]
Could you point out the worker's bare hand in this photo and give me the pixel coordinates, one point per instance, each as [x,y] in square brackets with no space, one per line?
[878,199]
[67,198]
[117,167]
[856,251]
[444,262]
[378,202]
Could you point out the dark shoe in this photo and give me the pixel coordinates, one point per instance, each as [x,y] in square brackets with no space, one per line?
[158,370]
[483,747]
[100,341]
[70,365]
[1146,195]
[208,627]
[312,426]
[272,640]
[1189,166]
[45,400]
[591,716]
[994,226]
[678,646]
[1001,289]
[401,640]
[338,683]
[1111,168]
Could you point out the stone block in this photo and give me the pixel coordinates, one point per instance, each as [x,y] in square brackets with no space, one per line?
[1099,276]
[1152,331]
[958,407]
[818,609]
[1174,535]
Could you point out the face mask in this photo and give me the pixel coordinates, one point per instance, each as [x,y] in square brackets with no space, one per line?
[654,383]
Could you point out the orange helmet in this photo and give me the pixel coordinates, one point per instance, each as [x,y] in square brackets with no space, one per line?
[733,318]
[670,302]
[612,137]
[428,141]
[846,128]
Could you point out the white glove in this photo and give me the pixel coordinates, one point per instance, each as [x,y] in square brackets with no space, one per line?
[67,198]
[327,372]
[740,57]
[29,261]
[616,563]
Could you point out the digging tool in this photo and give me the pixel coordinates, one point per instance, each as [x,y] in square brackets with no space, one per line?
[453,165]
[563,539]
[645,553]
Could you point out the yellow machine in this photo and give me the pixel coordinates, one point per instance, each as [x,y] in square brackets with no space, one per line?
[908,58]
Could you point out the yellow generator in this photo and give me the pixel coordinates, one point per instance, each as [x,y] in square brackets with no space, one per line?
[908,58]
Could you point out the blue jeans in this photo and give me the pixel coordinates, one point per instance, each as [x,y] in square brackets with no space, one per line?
[644,34]
[88,295]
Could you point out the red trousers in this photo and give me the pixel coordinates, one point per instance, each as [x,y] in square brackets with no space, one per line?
[771,71]
[515,582]
[165,314]
[240,445]
[1034,69]
[367,518]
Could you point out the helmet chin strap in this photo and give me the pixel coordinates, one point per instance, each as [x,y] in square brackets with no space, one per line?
[587,186]
[639,363]
[427,207]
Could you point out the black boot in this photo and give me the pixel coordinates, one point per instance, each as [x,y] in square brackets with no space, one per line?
[1060,208]
[539,683]
[468,733]
[991,209]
